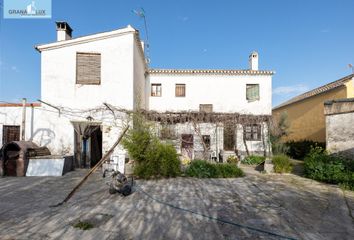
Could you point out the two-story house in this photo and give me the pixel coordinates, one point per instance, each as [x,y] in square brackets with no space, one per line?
[89,83]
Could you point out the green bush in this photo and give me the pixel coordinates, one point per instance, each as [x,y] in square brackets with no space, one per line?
[299,149]
[253,160]
[228,170]
[204,169]
[153,159]
[281,163]
[320,165]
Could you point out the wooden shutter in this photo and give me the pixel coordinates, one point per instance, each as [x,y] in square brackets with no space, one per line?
[180,90]
[10,133]
[88,68]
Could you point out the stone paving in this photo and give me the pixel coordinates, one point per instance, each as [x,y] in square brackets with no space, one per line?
[287,205]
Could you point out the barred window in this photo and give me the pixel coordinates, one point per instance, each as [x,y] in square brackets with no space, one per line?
[252,132]
[208,108]
[252,92]
[156,90]
[88,68]
[180,90]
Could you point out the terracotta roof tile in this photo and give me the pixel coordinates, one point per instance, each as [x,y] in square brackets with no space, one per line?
[316,91]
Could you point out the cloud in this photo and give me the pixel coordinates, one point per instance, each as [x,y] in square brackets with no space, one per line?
[14,68]
[325,30]
[294,89]
[183,18]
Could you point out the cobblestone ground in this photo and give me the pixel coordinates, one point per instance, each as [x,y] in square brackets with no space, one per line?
[249,207]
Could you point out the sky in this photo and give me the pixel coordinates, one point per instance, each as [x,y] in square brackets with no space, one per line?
[307,43]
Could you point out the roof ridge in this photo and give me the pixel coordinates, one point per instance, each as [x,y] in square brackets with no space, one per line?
[223,71]
[316,91]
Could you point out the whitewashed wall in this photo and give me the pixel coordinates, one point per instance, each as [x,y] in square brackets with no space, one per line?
[227,93]
[58,74]
[46,127]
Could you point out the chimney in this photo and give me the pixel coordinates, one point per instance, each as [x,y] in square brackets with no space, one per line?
[63,31]
[253,61]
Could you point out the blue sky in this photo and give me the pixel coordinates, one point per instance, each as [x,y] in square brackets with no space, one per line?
[307,42]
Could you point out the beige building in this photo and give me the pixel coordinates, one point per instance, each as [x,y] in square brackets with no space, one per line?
[306,111]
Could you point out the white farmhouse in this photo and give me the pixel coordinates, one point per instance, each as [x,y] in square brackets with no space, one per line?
[86,81]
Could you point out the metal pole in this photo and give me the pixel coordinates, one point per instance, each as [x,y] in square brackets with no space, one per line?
[23,125]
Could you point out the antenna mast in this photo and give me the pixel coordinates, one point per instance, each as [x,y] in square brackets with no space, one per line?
[141,13]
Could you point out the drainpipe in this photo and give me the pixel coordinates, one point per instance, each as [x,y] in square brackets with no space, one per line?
[23,125]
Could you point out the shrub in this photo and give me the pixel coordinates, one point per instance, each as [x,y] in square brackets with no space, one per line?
[201,169]
[281,163]
[153,158]
[204,169]
[228,170]
[232,159]
[299,149]
[320,165]
[253,160]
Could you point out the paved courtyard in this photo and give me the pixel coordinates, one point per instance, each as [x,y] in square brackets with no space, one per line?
[257,206]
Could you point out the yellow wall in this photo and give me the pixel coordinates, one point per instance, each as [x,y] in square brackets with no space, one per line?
[350,88]
[306,117]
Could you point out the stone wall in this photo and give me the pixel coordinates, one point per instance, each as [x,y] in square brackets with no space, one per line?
[340,127]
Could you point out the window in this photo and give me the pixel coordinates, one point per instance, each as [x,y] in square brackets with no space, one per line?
[10,133]
[156,90]
[88,68]
[252,92]
[206,140]
[229,137]
[180,90]
[252,132]
[208,108]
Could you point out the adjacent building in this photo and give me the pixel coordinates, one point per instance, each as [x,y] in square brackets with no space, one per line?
[339,126]
[305,113]
[90,83]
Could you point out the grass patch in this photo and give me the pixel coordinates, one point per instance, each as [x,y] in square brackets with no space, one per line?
[204,169]
[282,163]
[83,225]
[253,160]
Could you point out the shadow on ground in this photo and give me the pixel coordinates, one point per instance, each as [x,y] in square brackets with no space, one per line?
[287,205]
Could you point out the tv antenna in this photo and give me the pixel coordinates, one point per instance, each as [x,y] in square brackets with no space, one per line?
[141,14]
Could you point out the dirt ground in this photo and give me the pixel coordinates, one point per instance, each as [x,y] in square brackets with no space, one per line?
[257,206]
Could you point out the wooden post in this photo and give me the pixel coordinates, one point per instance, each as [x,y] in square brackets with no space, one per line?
[103,159]
[23,125]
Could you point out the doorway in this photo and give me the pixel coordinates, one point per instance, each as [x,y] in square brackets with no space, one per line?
[88,147]
[187,145]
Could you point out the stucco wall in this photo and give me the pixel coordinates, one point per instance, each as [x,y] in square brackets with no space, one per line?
[46,127]
[216,133]
[340,134]
[58,74]
[227,93]
[306,117]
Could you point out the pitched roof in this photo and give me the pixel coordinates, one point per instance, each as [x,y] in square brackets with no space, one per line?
[87,38]
[211,71]
[317,91]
